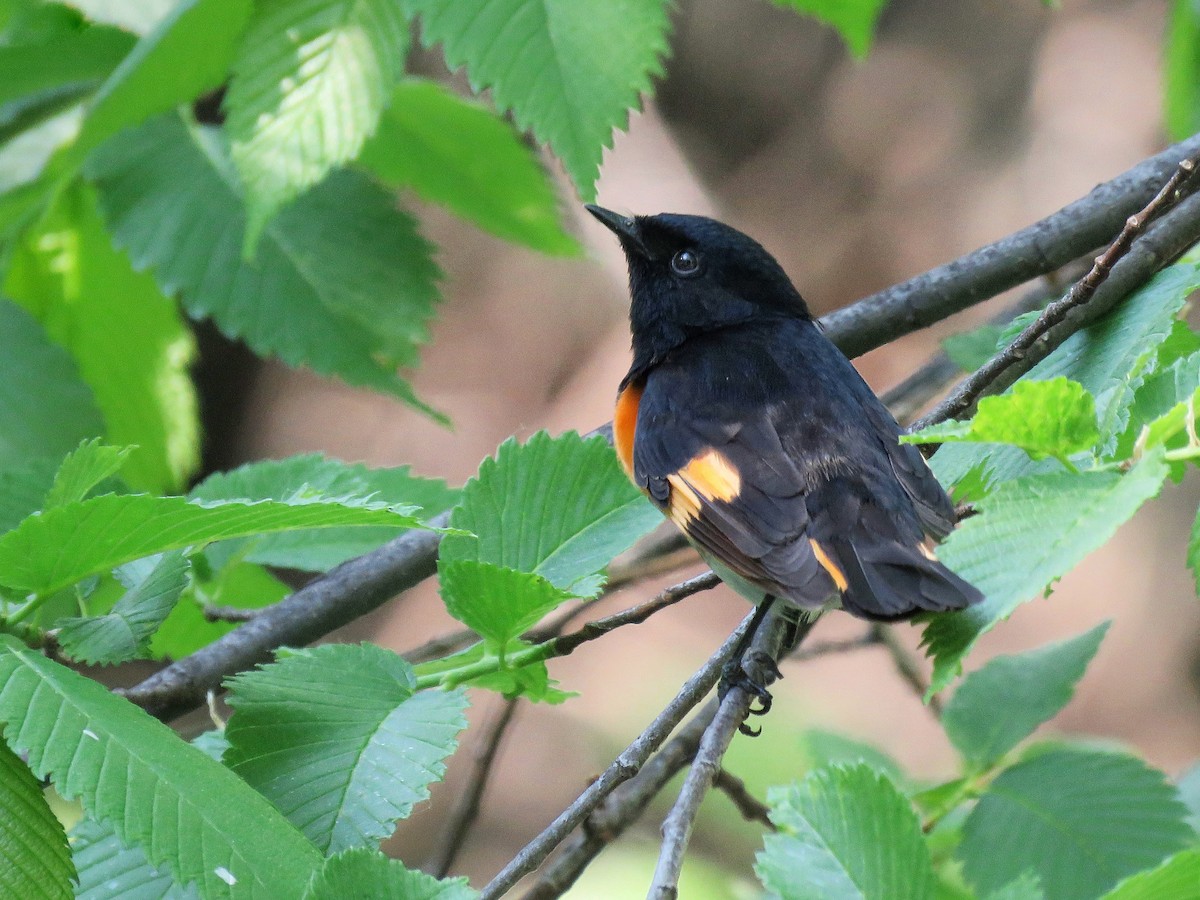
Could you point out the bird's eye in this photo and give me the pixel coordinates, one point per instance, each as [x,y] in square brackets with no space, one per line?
[685,263]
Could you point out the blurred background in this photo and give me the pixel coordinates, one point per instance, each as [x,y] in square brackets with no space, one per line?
[967,121]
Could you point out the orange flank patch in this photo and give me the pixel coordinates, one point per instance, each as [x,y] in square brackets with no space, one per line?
[625,424]
[838,576]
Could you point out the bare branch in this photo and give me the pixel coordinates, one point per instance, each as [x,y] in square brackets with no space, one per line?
[1130,267]
[622,769]
[468,804]
[751,808]
[230,613]
[759,663]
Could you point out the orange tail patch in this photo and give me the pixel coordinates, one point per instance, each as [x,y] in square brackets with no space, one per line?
[827,563]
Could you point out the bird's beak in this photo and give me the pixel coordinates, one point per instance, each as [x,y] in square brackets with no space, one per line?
[624,227]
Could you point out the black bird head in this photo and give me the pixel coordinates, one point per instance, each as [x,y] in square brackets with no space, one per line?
[690,274]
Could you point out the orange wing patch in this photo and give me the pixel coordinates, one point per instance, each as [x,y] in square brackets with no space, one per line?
[827,563]
[625,424]
[708,475]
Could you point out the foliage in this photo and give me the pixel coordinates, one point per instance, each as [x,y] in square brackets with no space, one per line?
[238,162]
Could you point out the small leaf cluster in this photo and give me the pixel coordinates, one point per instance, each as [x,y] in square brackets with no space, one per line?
[1048,819]
[1057,463]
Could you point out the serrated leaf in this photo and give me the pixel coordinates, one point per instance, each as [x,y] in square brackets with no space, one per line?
[316,475]
[45,408]
[23,489]
[496,602]
[1044,418]
[109,869]
[48,552]
[130,342]
[124,632]
[1002,703]
[1181,65]
[364,873]
[186,812]
[465,157]
[343,270]
[1080,819]
[851,834]
[34,862]
[309,82]
[584,508]
[1029,532]
[854,20]
[1178,879]
[84,467]
[184,55]
[971,349]
[335,737]
[822,748]
[568,72]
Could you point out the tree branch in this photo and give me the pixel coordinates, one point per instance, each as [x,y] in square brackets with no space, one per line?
[361,585]
[468,804]
[1129,265]
[677,828]
[623,768]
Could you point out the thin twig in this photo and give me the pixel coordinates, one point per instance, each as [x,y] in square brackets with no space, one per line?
[1018,351]
[751,808]
[623,768]
[442,645]
[230,613]
[759,664]
[467,809]
[906,666]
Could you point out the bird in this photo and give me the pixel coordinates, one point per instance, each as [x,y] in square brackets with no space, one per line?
[752,432]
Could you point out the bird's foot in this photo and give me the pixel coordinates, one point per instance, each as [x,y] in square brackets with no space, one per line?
[750,673]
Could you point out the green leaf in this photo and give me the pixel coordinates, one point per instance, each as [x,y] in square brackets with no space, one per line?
[497,603]
[335,737]
[568,72]
[971,349]
[184,55]
[1044,418]
[1178,877]
[309,82]
[23,489]
[1181,64]
[1080,819]
[108,869]
[187,812]
[129,341]
[530,680]
[1189,793]
[582,507]
[50,551]
[851,834]
[45,408]
[464,156]
[854,20]
[34,861]
[85,467]
[241,585]
[365,873]
[824,747]
[71,59]
[1002,703]
[124,633]
[316,475]
[1024,887]
[1193,551]
[1028,533]
[342,267]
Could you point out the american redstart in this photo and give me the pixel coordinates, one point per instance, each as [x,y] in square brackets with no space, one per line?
[748,428]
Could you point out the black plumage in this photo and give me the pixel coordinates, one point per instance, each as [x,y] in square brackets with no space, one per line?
[747,426]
